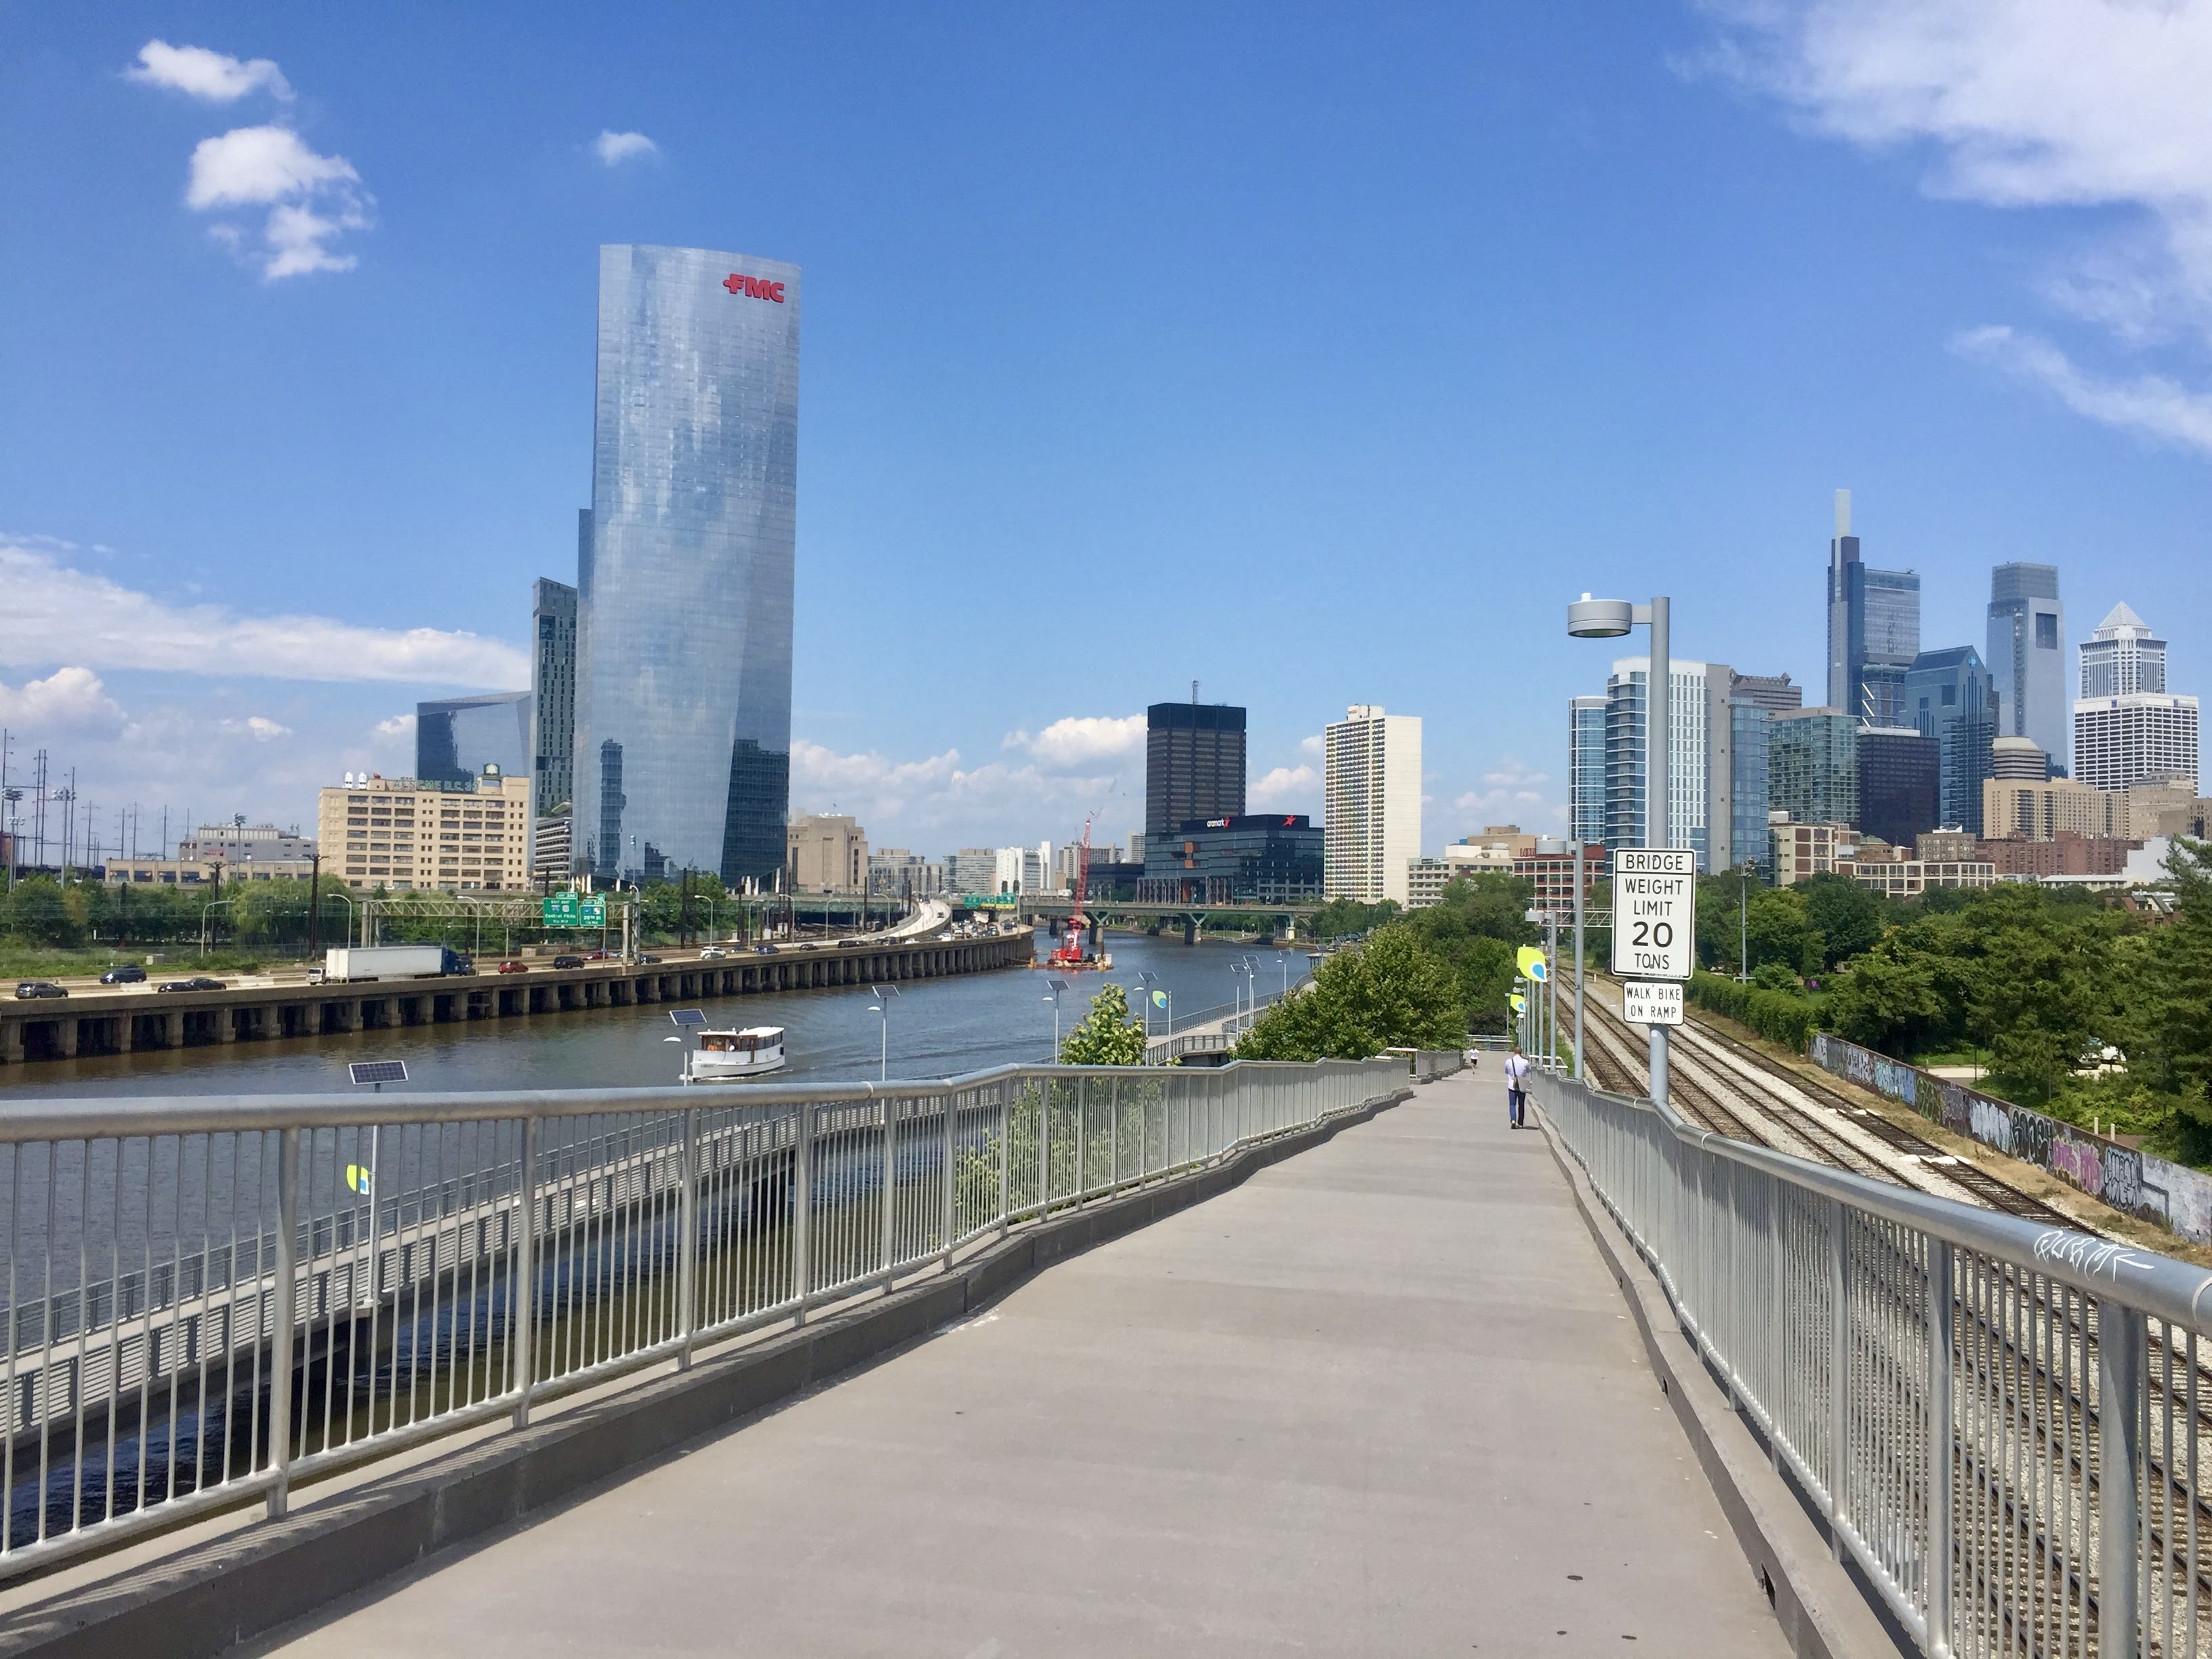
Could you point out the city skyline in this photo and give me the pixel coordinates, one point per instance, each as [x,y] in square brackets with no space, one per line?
[985,405]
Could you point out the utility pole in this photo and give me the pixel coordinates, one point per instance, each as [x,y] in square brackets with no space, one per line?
[314,903]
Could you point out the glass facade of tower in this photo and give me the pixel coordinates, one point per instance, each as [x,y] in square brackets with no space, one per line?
[1751,725]
[1812,766]
[2026,659]
[1586,768]
[1628,757]
[682,738]
[457,738]
[1949,697]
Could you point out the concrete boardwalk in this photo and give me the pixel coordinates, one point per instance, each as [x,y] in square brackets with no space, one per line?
[1381,1398]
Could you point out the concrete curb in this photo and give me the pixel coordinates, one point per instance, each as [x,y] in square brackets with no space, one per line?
[214,1596]
[1822,1611]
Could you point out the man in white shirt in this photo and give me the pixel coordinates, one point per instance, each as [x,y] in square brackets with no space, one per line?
[1517,1093]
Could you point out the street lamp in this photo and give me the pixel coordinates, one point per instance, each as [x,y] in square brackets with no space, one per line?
[1609,619]
[882,1005]
[216,905]
[1054,988]
[1145,979]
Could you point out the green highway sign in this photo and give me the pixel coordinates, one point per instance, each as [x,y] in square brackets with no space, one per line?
[991,901]
[575,910]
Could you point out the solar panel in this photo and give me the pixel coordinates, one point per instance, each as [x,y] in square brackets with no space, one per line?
[687,1017]
[378,1071]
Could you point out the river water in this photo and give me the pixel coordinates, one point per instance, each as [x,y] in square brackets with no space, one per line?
[938,1027]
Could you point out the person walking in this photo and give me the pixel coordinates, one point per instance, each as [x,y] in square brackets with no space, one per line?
[1517,1095]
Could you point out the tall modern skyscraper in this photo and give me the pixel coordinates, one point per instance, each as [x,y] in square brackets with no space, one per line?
[684,607]
[1873,628]
[1812,766]
[1949,698]
[457,738]
[1700,766]
[1194,764]
[2026,657]
[1371,783]
[553,693]
[2121,657]
[1751,722]
[1899,783]
[1586,769]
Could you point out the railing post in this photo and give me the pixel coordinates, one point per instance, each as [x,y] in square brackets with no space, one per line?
[890,1188]
[2121,1340]
[802,1210]
[1082,1137]
[1005,1157]
[522,1298]
[1941,1312]
[952,1181]
[283,1316]
[687,1250]
[1044,1145]
[1114,1137]
[1839,1344]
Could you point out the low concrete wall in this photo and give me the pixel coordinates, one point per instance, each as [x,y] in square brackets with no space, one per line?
[214,1596]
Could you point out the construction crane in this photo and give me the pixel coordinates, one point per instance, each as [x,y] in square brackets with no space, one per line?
[1069,953]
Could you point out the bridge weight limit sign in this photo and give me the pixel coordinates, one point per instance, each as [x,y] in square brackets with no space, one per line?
[1655,899]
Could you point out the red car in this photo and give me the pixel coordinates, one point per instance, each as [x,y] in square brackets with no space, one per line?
[599,956]
[513,967]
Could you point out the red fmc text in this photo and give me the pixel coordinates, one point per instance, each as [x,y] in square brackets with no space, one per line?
[754,287]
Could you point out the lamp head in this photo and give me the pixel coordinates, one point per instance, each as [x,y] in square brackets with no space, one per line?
[1599,619]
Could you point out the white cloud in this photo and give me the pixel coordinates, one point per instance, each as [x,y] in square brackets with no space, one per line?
[616,147]
[259,728]
[1512,791]
[58,614]
[937,803]
[1083,740]
[1286,788]
[69,700]
[2027,104]
[210,76]
[312,199]
[397,727]
[2148,403]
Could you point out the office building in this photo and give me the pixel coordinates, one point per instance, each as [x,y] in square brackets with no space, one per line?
[1193,763]
[826,852]
[1900,783]
[1136,846]
[2019,760]
[1873,628]
[2026,657]
[1812,766]
[1751,725]
[1260,857]
[896,873]
[1949,697]
[1802,851]
[2169,808]
[684,592]
[1548,868]
[1896,873]
[552,851]
[2145,736]
[2121,657]
[416,833]
[1586,718]
[120,872]
[457,738]
[1371,786]
[553,691]
[240,842]
[974,870]
[1701,740]
[2044,809]
[1773,692]
[1425,880]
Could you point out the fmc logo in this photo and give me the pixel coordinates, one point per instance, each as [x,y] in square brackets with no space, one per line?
[754,288]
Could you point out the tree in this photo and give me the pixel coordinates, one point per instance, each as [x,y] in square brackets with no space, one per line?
[2169,1027]
[1393,991]
[39,913]
[1107,1036]
[1848,917]
[1340,917]
[1474,929]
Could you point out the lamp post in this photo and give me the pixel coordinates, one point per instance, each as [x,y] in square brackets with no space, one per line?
[1145,979]
[1580,883]
[1608,619]
[218,905]
[882,1005]
[1053,989]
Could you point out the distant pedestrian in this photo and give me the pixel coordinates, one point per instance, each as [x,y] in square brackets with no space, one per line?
[1472,1058]
[1517,1095]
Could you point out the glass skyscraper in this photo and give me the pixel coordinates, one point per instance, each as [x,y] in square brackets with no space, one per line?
[683,741]
[2026,658]
[1949,697]
[456,737]
[1812,766]
[1752,724]
[1873,628]
[1586,768]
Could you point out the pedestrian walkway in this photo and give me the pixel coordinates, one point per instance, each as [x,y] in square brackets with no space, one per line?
[1382,1399]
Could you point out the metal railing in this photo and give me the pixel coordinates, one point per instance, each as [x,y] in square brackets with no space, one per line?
[2000,1422]
[209,1301]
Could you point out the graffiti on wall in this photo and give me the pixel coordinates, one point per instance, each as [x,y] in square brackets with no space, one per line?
[2174,1196]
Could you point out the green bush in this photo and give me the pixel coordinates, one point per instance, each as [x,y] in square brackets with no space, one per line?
[1788,1018]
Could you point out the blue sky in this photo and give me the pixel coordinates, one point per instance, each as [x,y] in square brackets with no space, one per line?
[1319,353]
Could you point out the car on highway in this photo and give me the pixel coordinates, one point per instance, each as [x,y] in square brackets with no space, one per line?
[645,961]
[713,953]
[849,945]
[123,973]
[809,945]
[27,989]
[599,956]
[513,967]
[763,950]
[568,962]
[197,982]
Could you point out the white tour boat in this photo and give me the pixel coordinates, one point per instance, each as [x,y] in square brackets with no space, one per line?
[729,1056]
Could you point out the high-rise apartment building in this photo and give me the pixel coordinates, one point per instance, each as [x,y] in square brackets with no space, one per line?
[2121,657]
[1586,768]
[1873,628]
[2146,737]
[1899,783]
[684,604]
[457,738]
[1812,766]
[1752,726]
[2027,656]
[1949,697]
[553,691]
[1194,764]
[1371,763]
[1700,765]
[410,833]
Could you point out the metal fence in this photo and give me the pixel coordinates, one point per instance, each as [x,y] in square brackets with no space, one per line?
[209,1301]
[2002,1423]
